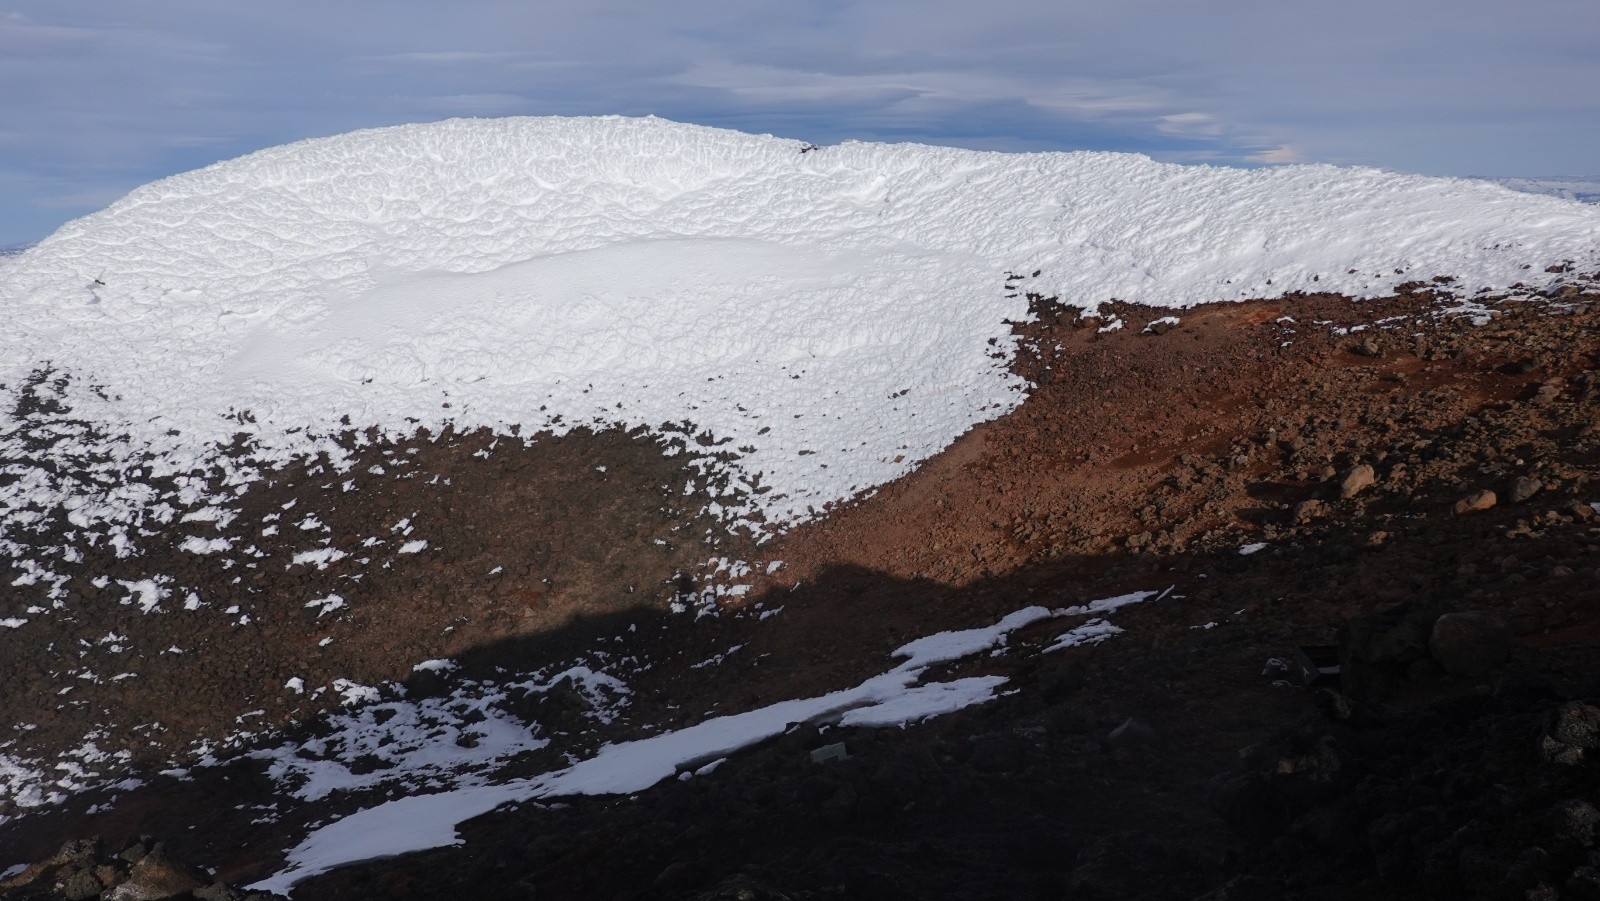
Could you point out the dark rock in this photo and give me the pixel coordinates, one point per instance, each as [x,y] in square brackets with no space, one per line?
[1376,650]
[77,851]
[1469,645]
[1524,488]
[679,876]
[80,886]
[1575,731]
[1132,732]
[218,891]
[155,878]
[1583,884]
[996,754]
[1575,821]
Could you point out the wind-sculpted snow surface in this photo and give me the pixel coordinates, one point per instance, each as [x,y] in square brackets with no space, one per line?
[834,314]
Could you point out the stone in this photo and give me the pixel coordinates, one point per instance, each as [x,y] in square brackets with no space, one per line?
[1469,645]
[1305,511]
[1583,885]
[830,753]
[1376,650]
[1575,821]
[1367,348]
[1524,488]
[1132,731]
[80,850]
[1357,479]
[80,886]
[219,891]
[1574,732]
[1477,502]
[155,878]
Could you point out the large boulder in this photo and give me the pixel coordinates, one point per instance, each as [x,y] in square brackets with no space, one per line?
[1469,645]
[1377,650]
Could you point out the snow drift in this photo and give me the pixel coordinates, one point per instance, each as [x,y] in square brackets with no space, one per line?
[837,314]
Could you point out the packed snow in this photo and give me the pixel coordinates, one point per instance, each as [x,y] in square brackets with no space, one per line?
[836,315]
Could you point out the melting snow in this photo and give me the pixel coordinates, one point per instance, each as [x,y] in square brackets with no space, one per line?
[427,821]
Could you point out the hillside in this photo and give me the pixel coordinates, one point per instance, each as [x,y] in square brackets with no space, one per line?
[642,482]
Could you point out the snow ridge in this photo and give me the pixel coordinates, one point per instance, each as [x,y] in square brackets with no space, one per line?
[835,314]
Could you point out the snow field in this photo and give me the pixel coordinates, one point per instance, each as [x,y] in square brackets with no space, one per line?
[834,316]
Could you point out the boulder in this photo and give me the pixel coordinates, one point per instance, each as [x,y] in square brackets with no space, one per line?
[1524,488]
[1357,479]
[156,878]
[1476,502]
[1376,650]
[1469,645]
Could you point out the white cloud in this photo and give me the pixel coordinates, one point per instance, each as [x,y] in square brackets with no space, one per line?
[114,95]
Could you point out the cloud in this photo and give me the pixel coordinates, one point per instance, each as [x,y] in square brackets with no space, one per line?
[1283,153]
[103,97]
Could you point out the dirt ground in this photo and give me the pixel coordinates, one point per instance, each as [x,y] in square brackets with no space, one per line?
[1171,762]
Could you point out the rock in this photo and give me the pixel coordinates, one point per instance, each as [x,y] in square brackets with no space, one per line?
[77,851]
[1376,650]
[1579,511]
[1367,348]
[1524,488]
[1305,511]
[1575,731]
[1575,821]
[1358,478]
[1469,645]
[996,754]
[155,878]
[1477,502]
[1132,732]
[830,753]
[1584,884]
[218,892]
[80,886]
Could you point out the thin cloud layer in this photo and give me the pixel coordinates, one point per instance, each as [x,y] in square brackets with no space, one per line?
[103,98]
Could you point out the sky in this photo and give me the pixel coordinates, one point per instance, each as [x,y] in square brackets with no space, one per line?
[101,97]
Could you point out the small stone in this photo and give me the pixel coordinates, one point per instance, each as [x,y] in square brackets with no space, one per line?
[1368,348]
[1469,645]
[1305,511]
[1477,502]
[1524,488]
[1358,478]
[830,753]
[1132,731]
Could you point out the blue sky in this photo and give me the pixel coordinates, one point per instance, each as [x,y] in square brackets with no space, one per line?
[102,97]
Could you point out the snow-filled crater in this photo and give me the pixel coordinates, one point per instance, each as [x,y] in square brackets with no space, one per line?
[836,314]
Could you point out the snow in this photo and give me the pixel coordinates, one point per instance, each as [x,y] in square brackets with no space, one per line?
[832,311]
[897,697]
[1252,548]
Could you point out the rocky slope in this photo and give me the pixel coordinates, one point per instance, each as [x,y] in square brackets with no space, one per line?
[1180,757]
